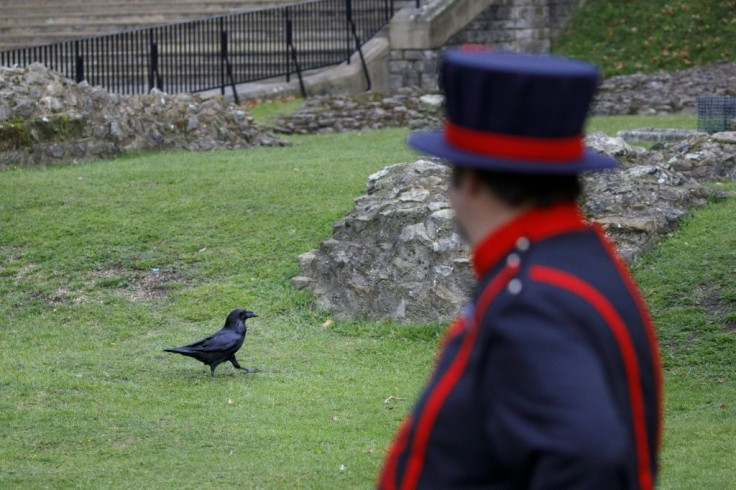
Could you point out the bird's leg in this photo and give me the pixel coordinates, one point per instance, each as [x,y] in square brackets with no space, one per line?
[212,370]
[238,366]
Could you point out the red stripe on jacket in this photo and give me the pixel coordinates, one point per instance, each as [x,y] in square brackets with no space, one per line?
[388,478]
[428,416]
[636,295]
[597,300]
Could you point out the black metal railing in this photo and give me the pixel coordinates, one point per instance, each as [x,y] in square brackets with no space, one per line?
[217,52]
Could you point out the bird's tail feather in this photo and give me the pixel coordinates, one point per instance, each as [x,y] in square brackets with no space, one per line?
[178,350]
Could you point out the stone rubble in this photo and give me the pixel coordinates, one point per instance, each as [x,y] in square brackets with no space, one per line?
[46,118]
[664,92]
[397,255]
[654,93]
[409,108]
[656,135]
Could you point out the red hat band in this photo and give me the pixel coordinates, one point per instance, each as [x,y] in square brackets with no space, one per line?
[514,147]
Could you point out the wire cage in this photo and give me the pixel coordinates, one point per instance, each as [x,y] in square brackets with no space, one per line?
[716,114]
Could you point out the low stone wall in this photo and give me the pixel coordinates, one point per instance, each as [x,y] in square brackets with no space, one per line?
[46,119]
[664,92]
[417,108]
[397,256]
[409,108]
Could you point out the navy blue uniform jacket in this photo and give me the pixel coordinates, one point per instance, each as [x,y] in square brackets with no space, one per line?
[552,379]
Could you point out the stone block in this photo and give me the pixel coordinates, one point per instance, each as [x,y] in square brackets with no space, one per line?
[399,66]
[413,54]
[429,67]
[396,82]
[396,54]
[429,83]
[411,79]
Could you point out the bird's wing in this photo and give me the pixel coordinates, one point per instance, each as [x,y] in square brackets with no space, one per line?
[222,340]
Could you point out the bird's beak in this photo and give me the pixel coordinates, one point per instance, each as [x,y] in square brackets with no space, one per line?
[253,315]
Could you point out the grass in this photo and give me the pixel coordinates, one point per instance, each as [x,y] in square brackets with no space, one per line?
[267,111]
[612,124]
[87,398]
[630,36]
[690,283]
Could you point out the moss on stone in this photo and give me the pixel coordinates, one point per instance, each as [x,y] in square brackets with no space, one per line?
[14,135]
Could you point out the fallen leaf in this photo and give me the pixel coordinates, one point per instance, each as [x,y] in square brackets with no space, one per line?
[724,405]
[229,401]
[330,322]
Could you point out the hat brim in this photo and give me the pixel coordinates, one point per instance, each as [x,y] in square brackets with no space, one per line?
[434,143]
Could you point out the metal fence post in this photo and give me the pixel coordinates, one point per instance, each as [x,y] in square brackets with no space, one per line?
[79,63]
[354,32]
[348,19]
[154,77]
[290,47]
[225,58]
[289,40]
[223,55]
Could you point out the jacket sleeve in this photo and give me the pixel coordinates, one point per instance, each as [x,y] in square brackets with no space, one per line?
[549,409]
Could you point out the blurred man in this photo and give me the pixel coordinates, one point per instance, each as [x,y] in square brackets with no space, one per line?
[552,377]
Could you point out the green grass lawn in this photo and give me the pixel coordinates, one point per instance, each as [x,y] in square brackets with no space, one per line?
[612,124]
[267,111]
[648,35]
[690,283]
[87,398]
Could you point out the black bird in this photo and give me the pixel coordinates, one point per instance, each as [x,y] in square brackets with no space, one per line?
[222,345]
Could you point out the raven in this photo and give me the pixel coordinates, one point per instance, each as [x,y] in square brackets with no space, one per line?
[222,345]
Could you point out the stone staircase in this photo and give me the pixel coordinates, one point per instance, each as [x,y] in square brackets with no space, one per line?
[189,52]
[25,23]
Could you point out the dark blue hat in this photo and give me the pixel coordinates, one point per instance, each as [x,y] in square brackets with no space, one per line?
[514,112]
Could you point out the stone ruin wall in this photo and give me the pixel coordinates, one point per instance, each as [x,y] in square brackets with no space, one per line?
[46,119]
[416,108]
[397,256]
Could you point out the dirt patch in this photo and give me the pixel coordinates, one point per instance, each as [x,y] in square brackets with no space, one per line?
[139,286]
[154,284]
[717,307]
[23,271]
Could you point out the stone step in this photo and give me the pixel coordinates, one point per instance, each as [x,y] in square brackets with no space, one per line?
[81,18]
[173,5]
[25,23]
[14,36]
[254,42]
[82,14]
[106,25]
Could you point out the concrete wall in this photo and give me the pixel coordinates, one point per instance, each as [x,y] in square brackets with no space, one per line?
[518,25]
[418,35]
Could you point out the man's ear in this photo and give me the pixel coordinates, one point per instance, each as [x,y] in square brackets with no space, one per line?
[474,183]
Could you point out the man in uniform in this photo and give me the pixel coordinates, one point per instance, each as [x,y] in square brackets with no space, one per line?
[552,377]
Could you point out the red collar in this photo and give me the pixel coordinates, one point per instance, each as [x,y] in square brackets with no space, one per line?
[534,225]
